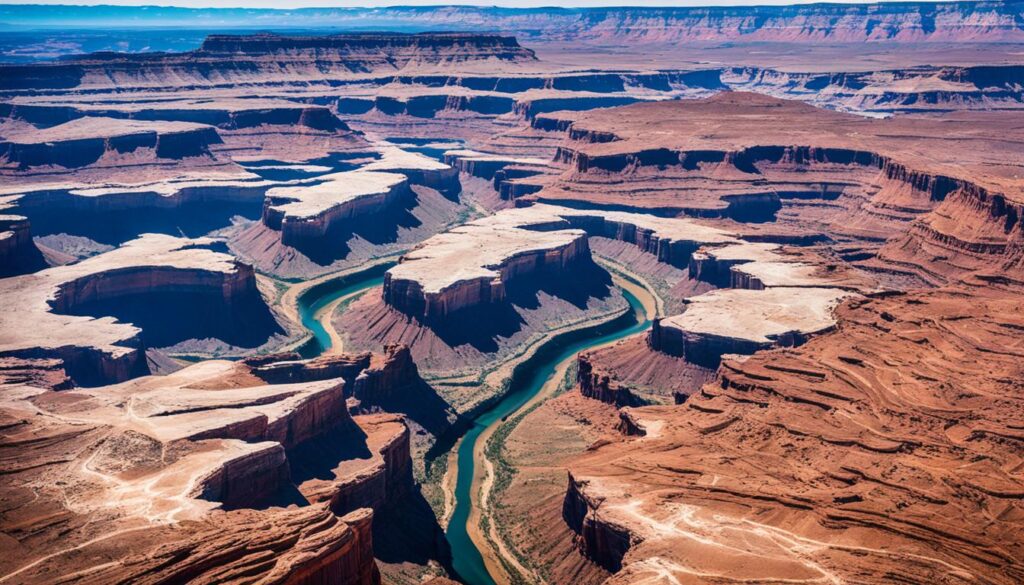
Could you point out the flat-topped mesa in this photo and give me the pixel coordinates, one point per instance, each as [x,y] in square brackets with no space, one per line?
[737,321]
[473,264]
[486,165]
[420,169]
[307,213]
[504,171]
[48,311]
[85,141]
[368,51]
[218,399]
[758,265]
[450,101]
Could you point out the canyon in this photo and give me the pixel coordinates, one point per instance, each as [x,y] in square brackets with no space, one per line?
[512,295]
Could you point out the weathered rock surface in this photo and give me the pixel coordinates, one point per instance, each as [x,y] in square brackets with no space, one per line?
[159,457]
[472,264]
[744,321]
[706,162]
[49,311]
[306,213]
[18,253]
[86,140]
[859,465]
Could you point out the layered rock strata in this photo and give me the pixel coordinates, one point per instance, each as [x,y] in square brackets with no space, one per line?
[598,385]
[472,264]
[226,114]
[744,321]
[919,89]
[420,169]
[269,57]
[856,441]
[41,320]
[86,140]
[175,461]
[304,213]
[882,173]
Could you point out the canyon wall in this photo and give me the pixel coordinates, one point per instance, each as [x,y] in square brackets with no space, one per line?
[18,253]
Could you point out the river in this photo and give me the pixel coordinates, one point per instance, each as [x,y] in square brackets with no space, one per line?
[528,379]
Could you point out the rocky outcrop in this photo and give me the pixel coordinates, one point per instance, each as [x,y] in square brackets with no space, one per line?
[307,213]
[388,380]
[739,321]
[529,109]
[38,373]
[291,368]
[419,169]
[381,481]
[596,384]
[18,253]
[438,278]
[597,538]
[630,425]
[177,462]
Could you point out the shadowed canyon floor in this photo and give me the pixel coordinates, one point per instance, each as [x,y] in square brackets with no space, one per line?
[656,296]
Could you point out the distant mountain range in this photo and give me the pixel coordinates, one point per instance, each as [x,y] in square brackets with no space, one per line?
[894,21]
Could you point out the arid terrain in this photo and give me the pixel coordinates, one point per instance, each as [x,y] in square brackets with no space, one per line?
[503,296]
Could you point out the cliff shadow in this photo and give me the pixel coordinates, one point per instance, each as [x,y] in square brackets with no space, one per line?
[169,318]
[408,532]
[480,326]
[318,457]
[115,227]
[483,326]
[583,281]
[379,229]
[422,405]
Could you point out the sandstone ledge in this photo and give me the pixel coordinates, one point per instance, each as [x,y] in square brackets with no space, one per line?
[309,212]
[40,320]
[740,321]
[472,264]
